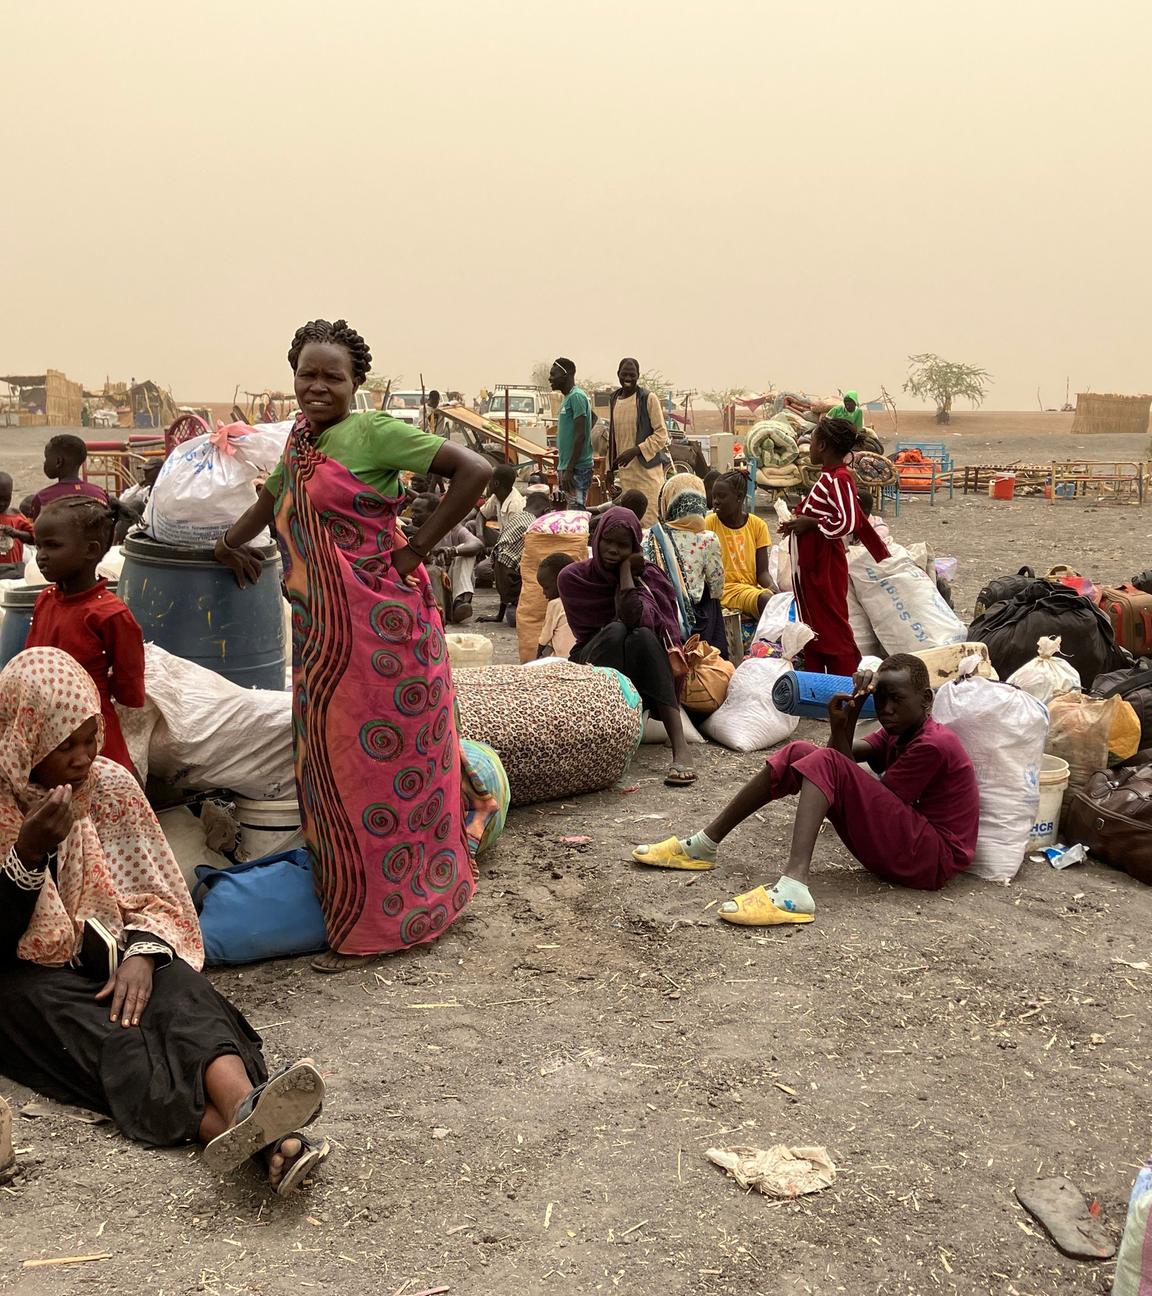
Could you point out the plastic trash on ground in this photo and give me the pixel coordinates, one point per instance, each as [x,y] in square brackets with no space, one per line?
[778,1171]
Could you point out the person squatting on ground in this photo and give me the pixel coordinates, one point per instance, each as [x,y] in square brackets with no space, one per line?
[79,614]
[622,611]
[508,551]
[391,810]
[573,433]
[916,826]
[505,500]
[827,517]
[151,1044]
[744,544]
[456,552]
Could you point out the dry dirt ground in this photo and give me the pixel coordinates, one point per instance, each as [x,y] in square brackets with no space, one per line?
[523,1107]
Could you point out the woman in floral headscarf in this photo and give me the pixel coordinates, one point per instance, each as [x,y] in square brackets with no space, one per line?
[150,1044]
[690,556]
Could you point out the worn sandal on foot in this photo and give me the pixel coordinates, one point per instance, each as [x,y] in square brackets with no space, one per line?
[312,1154]
[757,909]
[287,1101]
[669,855]
[680,776]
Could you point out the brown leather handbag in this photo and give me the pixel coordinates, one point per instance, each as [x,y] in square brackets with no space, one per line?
[1112,816]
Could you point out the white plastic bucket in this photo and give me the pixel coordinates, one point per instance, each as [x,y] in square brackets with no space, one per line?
[267,827]
[469,649]
[1053,785]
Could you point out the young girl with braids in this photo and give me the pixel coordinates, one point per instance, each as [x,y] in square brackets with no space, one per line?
[391,812]
[825,520]
[79,614]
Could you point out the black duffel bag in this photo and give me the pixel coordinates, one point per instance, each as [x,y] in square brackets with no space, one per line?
[1002,589]
[1143,582]
[1011,631]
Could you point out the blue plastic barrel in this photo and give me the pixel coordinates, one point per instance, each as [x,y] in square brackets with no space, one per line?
[17,602]
[191,606]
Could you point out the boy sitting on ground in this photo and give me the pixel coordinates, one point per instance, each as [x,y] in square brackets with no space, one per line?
[916,826]
[64,456]
[556,639]
[457,552]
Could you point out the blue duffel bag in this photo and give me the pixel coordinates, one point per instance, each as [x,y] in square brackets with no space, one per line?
[264,909]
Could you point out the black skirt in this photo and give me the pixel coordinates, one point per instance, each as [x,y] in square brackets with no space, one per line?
[639,655]
[57,1039]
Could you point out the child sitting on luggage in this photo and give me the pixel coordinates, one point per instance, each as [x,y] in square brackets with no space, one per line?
[79,615]
[64,456]
[556,639]
[915,826]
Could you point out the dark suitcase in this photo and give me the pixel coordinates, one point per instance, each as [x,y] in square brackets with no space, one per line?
[1112,816]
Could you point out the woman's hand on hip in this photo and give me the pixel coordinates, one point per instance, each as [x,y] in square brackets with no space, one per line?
[405,561]
[46,825]
[131,988]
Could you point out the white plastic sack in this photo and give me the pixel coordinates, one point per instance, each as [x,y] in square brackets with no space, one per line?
[109,567]
[188,842]
[1134,1261]
[212,733]
[1046,674]
[1003,731]
[207,483]
[778,612]
[654,731]
[780,568]
[902,602]
[747,721]
[862,631]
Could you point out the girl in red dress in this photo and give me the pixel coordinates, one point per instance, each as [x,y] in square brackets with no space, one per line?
[79,615]
[825,520]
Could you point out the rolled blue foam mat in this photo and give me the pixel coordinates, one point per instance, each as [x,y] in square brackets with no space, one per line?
[804,693]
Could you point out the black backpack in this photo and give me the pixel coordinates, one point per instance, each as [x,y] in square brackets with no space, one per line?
[1143,582]
[1011,631]
[1002,589]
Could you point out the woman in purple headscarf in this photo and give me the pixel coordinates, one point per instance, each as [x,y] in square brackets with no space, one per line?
[622,611]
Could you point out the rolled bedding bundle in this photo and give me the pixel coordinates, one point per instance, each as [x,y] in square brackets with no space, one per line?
[559,729]
[805,693]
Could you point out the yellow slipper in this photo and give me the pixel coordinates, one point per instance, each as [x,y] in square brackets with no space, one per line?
[756,909]
[669,855]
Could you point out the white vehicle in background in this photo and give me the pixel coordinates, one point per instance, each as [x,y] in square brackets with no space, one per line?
[531,412]
[406,406]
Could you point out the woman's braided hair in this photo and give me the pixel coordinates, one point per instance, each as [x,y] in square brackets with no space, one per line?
[338,334]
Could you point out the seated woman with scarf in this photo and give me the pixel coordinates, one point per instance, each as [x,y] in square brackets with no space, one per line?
[690,556]
[149,1043]
[622,611]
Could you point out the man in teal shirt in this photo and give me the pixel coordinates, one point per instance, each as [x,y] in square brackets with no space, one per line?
[573,432]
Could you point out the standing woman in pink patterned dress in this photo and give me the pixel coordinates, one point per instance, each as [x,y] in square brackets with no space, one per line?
[391,812]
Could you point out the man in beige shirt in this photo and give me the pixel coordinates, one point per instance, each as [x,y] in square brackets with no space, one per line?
[638,438]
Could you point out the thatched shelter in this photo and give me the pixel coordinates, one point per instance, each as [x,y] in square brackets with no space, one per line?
[1108,415]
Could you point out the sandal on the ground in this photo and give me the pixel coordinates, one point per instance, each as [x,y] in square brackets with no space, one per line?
[289,1099]
[680,776]
[756,909]
[669,855]
[346,963]
[312,1153]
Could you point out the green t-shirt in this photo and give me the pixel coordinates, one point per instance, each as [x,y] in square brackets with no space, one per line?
[575,404]
[374,447]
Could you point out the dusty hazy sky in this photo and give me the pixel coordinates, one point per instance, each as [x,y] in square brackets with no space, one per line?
[801,191]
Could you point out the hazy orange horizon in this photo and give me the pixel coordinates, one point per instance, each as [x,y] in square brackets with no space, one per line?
[738,194]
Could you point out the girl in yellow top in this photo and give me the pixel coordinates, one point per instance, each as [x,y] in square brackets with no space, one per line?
[744,542]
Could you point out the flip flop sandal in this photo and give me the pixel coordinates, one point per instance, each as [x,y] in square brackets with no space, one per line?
[353,964]
[313,1153]
[669,855]
[680,776]
[1067,1217]
[289,1099]
[756,909]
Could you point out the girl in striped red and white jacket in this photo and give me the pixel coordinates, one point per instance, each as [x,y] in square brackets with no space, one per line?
[825,522]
